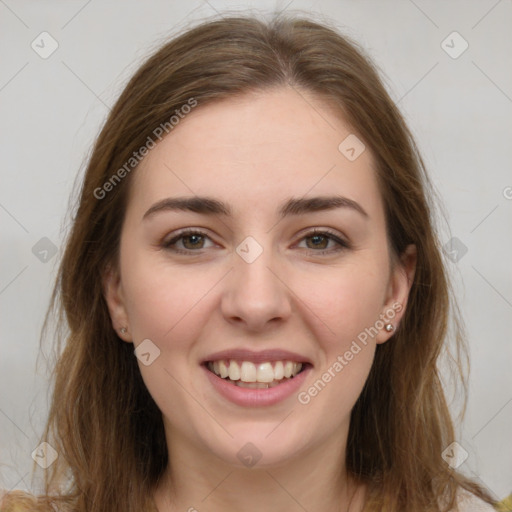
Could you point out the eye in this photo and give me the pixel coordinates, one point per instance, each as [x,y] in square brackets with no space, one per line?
[187,241]
[324,242]
[318,242]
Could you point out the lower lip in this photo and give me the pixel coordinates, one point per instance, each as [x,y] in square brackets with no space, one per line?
[248,397]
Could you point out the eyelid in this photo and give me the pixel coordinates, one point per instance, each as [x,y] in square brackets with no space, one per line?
[321,231]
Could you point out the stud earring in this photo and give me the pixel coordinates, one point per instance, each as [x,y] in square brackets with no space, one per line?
[389,327]
[123,330]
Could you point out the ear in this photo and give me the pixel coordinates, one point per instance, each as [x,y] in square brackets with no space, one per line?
[399,286]
[114,296]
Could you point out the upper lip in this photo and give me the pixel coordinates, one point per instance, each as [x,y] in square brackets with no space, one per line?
[242,354]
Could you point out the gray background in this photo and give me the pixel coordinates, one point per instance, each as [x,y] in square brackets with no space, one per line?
[458,108]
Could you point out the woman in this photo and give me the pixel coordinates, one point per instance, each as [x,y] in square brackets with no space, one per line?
[254,291]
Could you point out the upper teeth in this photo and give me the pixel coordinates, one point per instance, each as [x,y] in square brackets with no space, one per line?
[246,371]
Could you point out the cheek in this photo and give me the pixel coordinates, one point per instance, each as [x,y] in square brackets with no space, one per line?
[161,301]
[347,300]
[168,307]
[348,304]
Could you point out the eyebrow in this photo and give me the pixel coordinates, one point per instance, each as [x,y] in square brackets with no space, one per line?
[293,206]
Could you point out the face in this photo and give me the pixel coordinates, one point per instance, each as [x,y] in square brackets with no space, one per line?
[275,260]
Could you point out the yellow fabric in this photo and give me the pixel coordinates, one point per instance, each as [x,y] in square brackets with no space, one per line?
[505,505]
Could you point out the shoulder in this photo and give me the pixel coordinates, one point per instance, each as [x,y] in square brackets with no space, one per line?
[468,502]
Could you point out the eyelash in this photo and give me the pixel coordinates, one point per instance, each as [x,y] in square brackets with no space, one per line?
[342,244]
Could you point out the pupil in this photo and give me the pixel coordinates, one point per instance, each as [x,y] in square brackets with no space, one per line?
[319,238]
[193,238]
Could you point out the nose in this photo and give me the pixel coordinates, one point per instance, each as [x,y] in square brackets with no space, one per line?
[256,296]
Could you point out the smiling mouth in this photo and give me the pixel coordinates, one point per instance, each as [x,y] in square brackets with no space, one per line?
[247,374]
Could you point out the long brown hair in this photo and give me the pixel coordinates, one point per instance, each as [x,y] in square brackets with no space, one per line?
[103,422]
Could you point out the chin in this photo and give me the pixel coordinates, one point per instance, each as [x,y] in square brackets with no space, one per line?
[259,445]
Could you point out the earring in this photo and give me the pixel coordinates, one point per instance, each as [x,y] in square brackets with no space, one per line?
[123,330]
[389,327]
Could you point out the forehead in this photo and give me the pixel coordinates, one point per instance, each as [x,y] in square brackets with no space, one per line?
[255,148]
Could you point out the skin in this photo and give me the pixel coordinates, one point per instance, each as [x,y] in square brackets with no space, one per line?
[254,153]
